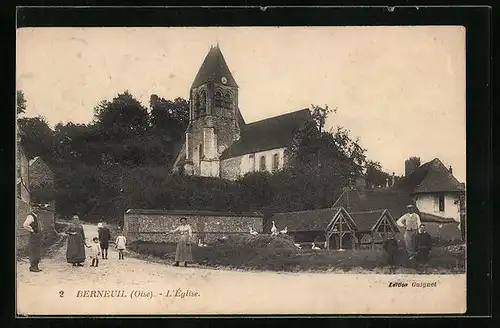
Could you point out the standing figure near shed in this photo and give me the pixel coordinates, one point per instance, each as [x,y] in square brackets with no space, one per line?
[423,244]
[183,251]
[410,223]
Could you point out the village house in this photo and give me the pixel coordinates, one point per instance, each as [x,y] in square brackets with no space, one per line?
[435,190]
[40,173]
[431,187]
[218,142]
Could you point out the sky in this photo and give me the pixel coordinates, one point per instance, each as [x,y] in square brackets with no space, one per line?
[401,90]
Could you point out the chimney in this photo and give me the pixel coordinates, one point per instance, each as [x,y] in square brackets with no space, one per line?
[410,165]
[450,169]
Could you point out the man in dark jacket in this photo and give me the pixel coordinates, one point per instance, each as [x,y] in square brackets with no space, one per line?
[104,237]
[32,226]
[423,244]
[391,248]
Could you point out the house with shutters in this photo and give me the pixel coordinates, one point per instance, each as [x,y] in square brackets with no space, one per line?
[218,142]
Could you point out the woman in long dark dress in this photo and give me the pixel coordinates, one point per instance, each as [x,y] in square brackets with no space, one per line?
[75,252]
[183,251]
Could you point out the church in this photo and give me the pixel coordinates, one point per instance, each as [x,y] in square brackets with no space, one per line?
[218,142]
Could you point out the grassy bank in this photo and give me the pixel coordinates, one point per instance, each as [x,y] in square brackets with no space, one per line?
[291,259]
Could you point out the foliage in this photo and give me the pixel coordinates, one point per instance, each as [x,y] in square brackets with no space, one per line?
[20,102]
[39,138]
[122,160]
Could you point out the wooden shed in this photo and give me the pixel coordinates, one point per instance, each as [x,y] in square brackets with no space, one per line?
[373,227]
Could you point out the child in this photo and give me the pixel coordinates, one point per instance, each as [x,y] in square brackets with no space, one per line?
[120,242]
[95,252]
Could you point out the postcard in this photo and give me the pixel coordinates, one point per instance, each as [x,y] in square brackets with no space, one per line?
[241,170]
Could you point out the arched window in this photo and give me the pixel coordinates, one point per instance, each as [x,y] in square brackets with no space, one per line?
[276,162]
[262,163]
[203,102]
[228,101]
[218,98]
[196,106]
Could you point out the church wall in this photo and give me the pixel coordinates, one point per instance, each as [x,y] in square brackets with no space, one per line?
[209,168]
[231,168]
[253,165]
[152,225]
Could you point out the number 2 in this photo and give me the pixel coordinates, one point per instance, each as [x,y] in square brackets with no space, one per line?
[61,293]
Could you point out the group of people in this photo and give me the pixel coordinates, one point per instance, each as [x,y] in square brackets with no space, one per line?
[418,242]
[75,252]
[76,242]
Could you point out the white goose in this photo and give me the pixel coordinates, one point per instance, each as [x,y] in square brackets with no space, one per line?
[314,246]
[297,245]
[274,230]
[284,231]
[253,232]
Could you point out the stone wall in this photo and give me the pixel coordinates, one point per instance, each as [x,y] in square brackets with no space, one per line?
[153,225]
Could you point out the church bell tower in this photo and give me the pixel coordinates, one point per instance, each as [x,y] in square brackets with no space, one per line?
[213,116]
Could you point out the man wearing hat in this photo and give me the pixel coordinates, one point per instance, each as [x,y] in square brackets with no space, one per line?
[32,226]
[410,223]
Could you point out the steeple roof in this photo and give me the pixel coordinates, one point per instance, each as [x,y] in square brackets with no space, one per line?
[214,67]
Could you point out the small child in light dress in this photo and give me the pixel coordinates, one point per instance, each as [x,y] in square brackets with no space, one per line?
[95,252]
[120,242]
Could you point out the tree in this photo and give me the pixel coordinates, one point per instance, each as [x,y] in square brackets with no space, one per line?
[39,138]
[320,114]
[169,117]
[20,102]
[375,176]
[122,117]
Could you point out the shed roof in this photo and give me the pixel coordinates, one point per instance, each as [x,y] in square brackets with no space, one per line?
[313,220]
[365,221]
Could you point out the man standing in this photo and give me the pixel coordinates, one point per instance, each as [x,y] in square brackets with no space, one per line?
[410,223]
[423,244]
[35,238]
[104,237]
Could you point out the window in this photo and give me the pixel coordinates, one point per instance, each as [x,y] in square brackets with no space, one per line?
[251,162]
[227,100]
[197,106]
[202,103]
[218,99]
[276,162]
[441,203]
[263,163]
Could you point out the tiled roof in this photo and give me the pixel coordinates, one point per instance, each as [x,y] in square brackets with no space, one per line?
[428,217]
[271,133]
[355,200]
[366,220]
[314,220]
[214,67]
[432,176]
[33,160]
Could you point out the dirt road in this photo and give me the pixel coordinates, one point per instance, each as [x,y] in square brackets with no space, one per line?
[134,286]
